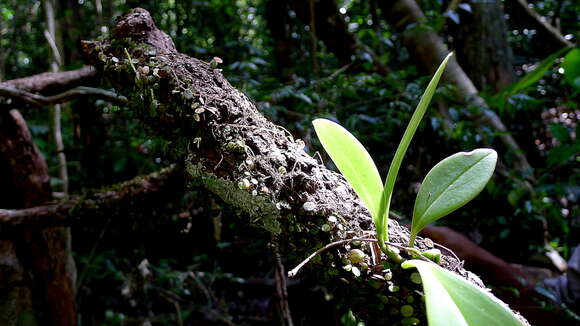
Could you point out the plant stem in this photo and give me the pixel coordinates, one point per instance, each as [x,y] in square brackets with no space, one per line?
[412,240]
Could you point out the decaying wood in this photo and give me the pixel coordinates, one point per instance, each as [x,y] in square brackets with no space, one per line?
[228,147]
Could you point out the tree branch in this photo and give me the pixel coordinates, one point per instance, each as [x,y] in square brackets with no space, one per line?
[80,91]
[425,44]
[230,149]
[543,24]
[48,83]
[137,190]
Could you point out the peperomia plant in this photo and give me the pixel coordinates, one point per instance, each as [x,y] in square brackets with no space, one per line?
[449,185]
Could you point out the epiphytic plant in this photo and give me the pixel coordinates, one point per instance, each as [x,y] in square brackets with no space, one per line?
[452,183]
[449,185]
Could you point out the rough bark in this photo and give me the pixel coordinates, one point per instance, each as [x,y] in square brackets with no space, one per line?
[26,180]
[232,150]
[44,255]
[429,50]
[482,45]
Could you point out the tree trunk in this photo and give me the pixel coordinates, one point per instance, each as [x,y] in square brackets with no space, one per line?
[333,31]
[330,27]
[482,45]
[429,50]
[278,23]
[44,255]
[232,150]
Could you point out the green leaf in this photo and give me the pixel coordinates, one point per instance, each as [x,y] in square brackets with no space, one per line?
[353,161]
[451,184]
[571,65]
[452,300]
[560,132]
[561,154]
[534,75]
[402,149]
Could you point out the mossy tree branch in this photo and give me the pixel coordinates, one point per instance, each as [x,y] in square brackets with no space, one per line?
[229,148]
[115,198]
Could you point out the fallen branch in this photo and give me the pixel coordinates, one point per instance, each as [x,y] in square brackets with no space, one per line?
[80,91]
[48,83]
[75,210]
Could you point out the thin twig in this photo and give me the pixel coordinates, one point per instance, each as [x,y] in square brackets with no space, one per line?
[131,62]
[90,260]
[167,296]
[53,47]
[340,71]
[50,35]
[80,91]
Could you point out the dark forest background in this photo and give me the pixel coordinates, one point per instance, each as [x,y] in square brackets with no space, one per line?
[355,62]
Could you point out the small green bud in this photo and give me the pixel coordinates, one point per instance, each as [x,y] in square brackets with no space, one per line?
[407,310]
[383,298]
[356,256]
[364,267]
[416,278]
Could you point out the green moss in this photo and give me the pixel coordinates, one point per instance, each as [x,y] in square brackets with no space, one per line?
[261,209]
